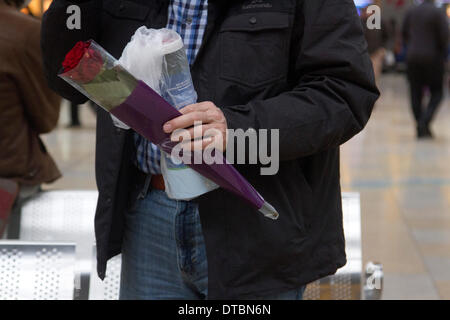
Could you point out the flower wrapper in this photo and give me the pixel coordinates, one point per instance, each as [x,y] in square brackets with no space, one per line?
[99,76]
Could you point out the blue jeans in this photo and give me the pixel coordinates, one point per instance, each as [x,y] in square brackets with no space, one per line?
[164,255]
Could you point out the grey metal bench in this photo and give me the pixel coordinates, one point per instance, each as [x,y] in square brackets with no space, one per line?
[66,216]
[37,271]
[69,215]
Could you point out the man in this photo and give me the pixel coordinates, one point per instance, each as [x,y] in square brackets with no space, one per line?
[425,32]
[28,107]
[298,66]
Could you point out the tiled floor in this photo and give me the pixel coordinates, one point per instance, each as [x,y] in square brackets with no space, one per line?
[404,186]
[74,150]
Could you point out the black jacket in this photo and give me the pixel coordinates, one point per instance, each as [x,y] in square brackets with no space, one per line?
[425,32]
[300,66]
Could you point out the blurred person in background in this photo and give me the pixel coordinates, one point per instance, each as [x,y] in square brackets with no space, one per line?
[376,41]
[27,106]
[75,114]
[425,32]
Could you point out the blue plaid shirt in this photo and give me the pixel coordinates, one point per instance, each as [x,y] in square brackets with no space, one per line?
[188,18]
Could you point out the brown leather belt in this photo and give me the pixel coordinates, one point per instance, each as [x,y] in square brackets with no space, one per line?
[157,182]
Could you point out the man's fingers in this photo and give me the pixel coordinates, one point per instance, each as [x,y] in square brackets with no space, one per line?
[185,121]
[202,106]
[188,119]
[213,139]
[209,127]
[198,112]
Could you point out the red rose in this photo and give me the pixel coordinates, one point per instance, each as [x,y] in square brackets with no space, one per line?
[83,63]
[74,56]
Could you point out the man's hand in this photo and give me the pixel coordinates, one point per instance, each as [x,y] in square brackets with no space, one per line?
[205,127]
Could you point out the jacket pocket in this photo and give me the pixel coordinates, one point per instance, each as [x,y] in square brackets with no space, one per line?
[126,10]
[254,48]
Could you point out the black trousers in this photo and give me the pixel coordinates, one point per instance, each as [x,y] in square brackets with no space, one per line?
[74,116]
[425,74]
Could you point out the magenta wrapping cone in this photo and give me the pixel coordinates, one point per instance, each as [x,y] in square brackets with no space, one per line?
[145,111]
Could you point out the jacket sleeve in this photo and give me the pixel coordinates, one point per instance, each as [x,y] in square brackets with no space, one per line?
[41,104]
[57,39]
[334,91]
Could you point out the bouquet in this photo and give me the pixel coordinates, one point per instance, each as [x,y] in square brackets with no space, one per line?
[101,78]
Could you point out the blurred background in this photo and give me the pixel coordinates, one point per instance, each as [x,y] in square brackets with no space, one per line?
[401,174]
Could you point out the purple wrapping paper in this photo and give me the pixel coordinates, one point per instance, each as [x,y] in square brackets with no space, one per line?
[146,112]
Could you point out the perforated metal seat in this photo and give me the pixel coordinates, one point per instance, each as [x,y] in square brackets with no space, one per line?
[36,271]
[61,216]
[64,216]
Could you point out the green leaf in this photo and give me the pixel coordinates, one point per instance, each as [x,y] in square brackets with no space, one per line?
[108,94]
[111,87]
